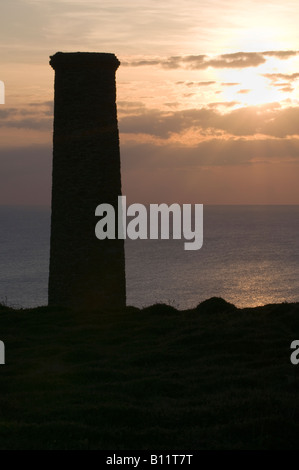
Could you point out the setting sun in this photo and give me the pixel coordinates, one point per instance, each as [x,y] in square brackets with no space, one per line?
[250,88]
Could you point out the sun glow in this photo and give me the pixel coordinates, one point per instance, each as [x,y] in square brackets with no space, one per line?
[250,87]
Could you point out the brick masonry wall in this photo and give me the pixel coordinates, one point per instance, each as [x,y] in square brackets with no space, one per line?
[85,272]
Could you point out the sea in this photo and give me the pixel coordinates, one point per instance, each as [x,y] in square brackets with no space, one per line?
[249,257]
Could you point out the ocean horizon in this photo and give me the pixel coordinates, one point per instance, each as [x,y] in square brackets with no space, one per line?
[249,257]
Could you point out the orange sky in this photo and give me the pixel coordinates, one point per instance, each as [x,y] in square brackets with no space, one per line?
[207,96]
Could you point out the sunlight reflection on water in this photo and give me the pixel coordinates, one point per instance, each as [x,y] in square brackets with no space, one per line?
[249,257]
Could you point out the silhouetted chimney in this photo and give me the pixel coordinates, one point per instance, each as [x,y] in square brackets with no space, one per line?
[85,272]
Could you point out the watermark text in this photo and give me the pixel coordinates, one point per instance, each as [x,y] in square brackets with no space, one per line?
[2,353]
[295,354]
[159,221]
[2,92]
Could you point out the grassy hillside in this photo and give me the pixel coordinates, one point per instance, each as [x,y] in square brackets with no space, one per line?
[211,378]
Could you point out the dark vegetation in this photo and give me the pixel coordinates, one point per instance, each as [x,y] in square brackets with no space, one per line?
[215,377]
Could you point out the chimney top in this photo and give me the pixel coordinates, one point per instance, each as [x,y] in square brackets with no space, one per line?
[83,59]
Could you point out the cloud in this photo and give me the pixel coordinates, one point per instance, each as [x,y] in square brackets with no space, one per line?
[229,84]
[130,107]
[26,175]
[200,84]
[7,112]
[270,120]
[38,116]
[274,77]
[130,104]
[287,88]
[44,107]
[37,104]
[172,104]
[210,153]
[38,124]
[237,60]
[284,86]
[282,81]
[281,54]
[199,62]
[226,104]
[140,63]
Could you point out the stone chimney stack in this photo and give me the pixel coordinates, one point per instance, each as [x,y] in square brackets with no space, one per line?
[85,272]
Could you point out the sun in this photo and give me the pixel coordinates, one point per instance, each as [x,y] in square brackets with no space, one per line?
[249,87]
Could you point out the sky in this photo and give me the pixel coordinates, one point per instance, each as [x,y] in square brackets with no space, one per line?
[207,96]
